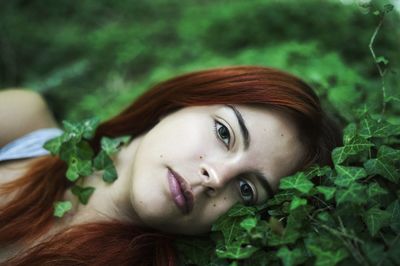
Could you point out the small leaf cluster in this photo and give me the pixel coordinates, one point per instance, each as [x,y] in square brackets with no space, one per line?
[345,215]
[73,148]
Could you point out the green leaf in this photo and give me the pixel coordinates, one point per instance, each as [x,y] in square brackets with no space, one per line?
[89,127]
[78,168]
[83,193]
[229,226]
[386,153]
[80,150]
[241,210]
[249,223]
[375,219]
[388,8]
[291,257]
[374,189]
[102,160]
[111,146]
[382,59]
[299,181]
[288,237]
[348,175]
[53,145]
[297,202]
[328,192]
[355,193]
[353,147]
[371,127]
[394,210]
[383,168]
[327,257]
[236,251]
[373,251]
[61,207]
[280,197]
[110,174]
[195,250]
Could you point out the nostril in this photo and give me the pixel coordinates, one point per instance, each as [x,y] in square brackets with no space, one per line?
[204,172]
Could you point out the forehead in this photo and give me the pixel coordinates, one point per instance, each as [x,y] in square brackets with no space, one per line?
[274,145]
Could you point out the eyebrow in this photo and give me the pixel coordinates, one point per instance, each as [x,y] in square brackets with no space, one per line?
[243,128]
[264,182]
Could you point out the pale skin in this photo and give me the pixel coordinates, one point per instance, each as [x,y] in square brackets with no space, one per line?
[208,147]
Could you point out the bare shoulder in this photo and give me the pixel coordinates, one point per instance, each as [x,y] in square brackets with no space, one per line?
[22,111]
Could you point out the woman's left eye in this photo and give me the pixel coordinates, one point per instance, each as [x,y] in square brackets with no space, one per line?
[223,133]
[247,192]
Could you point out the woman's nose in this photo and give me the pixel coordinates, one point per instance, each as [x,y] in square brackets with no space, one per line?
[214,177]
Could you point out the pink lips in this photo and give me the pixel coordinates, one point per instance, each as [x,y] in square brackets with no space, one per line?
[180,191]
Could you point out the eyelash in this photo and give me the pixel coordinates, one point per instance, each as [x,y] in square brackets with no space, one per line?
[217,133]
[252,198]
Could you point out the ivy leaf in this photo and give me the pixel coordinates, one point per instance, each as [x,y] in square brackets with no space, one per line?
[291,257]
[328,192]
[327,257]
[80,150]
[61,207]
[288,237]
[89,127]
[375,219]
[383,168]
[355,193]
[280,197]
[373,251]
[347,175]
[83,193]
[374,189]
[236,251]
[249,223]
[394,210]
[241,210]
[229,226]
[78,168]
[354,146]
[110,146]
[299,181]
[110,174]
[386,153]
[382,59]
[297,202]
[195,250]
[53,145]
[373,128]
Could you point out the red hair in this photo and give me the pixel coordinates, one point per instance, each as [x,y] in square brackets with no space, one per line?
[29,214]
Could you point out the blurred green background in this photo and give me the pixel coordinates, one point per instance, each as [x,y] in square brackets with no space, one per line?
[92,57]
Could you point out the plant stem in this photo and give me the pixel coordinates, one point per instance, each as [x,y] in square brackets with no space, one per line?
[380,70]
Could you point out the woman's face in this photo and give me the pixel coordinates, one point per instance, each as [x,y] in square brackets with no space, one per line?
[198,162]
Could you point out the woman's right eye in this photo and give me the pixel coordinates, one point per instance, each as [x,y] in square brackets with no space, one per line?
[222,133]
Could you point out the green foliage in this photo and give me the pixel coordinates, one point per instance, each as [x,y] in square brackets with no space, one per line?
[74,148]
[354,211]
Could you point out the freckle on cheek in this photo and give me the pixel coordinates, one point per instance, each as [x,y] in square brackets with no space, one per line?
[201,157]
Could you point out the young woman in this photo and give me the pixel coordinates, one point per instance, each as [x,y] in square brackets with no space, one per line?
[201,142]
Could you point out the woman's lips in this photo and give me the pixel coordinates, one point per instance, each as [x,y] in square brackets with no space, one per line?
[180,191]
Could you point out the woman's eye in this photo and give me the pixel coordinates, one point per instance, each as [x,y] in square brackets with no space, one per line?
[246,192]
[222,133]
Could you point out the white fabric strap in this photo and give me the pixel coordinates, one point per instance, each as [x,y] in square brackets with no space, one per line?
[29,145]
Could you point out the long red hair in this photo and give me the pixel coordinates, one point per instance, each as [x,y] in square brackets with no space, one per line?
[29,214]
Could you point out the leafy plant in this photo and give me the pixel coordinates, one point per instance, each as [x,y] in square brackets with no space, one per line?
[73,147]
[348,214]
